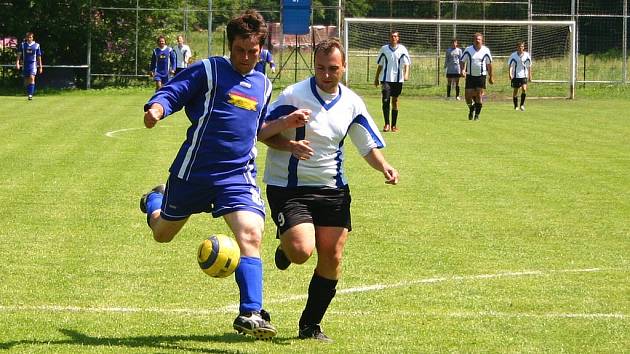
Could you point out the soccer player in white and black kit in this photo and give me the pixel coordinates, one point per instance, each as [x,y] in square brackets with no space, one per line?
[307,187]
[183,54]
[476,65]
[393,62]
[520,71]
[214,170]
[452,67]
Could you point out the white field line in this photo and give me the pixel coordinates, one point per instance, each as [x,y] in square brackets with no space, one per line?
[368,288]
[115,133]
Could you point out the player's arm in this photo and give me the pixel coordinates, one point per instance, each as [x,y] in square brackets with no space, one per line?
[295,119]
[18,59]
[271,63]
[377,161]
[300,149]
[188,56]
[490,76]
[406,71]
[378,74]
[39,62]
[153,115]
[152,67]
[176,94]
[173,60]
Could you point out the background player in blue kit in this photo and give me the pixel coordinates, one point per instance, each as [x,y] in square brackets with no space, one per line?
[307,187]
[264,59]
[30,55]
[163,63]
[214,170]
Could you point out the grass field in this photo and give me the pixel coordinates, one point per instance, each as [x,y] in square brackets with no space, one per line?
[510,234]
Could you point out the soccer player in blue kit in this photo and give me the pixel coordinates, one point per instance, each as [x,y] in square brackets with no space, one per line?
[265,57]
[30,54]
[163,63]
[214,170]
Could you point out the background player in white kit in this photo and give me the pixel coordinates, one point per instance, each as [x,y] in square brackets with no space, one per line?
[520,71]
[307,188]
[453,70]
[393,61]
[476,64]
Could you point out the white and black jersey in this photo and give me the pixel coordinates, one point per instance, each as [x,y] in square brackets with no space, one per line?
[333,118]
[393,61]
[520,65]
[477,60]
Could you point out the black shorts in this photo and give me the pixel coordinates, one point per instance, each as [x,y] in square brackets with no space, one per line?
[475,82]
[393,89]
[518,82]
[453,76]
[315,205]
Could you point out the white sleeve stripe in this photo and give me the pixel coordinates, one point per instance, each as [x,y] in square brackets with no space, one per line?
[186,164]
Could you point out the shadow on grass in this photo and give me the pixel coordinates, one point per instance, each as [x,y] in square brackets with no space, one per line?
[174,342]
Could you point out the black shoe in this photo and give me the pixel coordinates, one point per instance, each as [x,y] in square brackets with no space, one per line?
[143,200]
[282,262]
[255,324]
[314,331]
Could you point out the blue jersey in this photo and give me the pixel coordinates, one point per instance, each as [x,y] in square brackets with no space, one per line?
[264,58]
[226,110]
[29,53]
[163,61]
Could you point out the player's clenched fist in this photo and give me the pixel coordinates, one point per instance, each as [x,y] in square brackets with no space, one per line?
[153,115]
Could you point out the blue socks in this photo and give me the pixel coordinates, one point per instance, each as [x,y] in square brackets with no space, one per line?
[249,279]
[154,202]
[30,89]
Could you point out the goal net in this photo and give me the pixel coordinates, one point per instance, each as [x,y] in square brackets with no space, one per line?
[551,45]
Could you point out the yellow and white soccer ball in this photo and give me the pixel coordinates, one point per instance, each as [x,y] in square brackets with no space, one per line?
[218,256]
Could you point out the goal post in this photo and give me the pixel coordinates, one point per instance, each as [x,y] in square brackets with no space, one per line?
[551,44]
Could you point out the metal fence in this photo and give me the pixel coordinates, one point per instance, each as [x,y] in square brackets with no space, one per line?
[602,32]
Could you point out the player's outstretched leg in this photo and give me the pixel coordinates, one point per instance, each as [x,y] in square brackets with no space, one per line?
[152,201]
[257,324]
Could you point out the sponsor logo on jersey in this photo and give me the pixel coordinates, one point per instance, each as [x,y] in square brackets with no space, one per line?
[243,101]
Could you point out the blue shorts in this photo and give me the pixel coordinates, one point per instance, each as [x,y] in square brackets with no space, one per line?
[162,78]
[182,199]
[29,70]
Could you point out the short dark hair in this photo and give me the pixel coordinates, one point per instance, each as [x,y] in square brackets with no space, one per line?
[250,23]
[328,45]
[158,39]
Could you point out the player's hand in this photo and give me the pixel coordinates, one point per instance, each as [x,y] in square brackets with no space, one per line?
[273,69]
[391,175]
[376,82]
[491,80]
[296,119]
[301,150]
[41,69]
[153,115]
[17,66]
